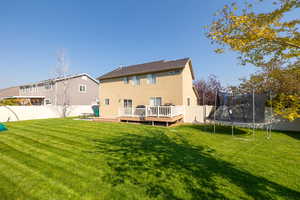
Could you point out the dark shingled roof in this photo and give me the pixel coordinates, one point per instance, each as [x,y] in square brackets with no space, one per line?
[157,66]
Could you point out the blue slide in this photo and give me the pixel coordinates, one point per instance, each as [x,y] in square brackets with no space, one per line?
[2,127]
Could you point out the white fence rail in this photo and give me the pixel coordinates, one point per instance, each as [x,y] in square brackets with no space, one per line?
[152,111]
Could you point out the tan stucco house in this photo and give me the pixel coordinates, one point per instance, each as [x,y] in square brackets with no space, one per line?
[157,90]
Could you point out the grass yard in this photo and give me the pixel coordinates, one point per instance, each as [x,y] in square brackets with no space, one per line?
[67,159]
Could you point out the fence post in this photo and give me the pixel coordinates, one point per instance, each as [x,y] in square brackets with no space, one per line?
[171,108]
[157,111]
[146,110]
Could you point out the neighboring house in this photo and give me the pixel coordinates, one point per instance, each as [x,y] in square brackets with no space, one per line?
[8,92]
[158,89]
[79,89]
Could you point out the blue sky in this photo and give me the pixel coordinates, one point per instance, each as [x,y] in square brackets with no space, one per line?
[101,35]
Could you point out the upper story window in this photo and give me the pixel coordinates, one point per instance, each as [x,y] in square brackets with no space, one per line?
[136,80]
[126,80]
[174,72]
[35,88]
[28,89]
[22,90]
[82,88]
[48,86]
[188,101]
[151,78]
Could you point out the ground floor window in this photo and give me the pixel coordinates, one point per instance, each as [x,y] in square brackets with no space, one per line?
[127,103]
[82,88]
[155,101]
[47,101]
[106,101]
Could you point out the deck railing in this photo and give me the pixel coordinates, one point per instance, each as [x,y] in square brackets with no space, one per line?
[151,111]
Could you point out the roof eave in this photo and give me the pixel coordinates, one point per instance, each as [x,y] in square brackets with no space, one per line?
[191,68]
[134,74]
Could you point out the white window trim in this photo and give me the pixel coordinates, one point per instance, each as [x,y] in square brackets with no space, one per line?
[127,100]
[126,80]
[84,88]
[150,78]
[136,80]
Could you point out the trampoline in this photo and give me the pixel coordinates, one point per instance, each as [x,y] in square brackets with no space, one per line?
[248,110]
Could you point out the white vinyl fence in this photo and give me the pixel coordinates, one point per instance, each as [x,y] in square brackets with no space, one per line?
[192,114]
[285,125]
[16,113]
[195,114]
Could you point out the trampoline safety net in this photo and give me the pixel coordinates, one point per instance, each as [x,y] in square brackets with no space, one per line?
[240,108]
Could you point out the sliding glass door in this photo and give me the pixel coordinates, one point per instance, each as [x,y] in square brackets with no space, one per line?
[127,103]
[155,101]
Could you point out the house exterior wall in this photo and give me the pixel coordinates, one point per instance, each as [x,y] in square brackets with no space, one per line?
[169,86]
[76,97]
[188,91]
[56,93]
[8,92]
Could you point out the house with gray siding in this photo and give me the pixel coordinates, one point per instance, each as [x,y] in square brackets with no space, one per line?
[8,92]
[79,89]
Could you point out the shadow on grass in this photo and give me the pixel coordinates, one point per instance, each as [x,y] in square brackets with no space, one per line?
[225,130]
[295,135]
[173,169]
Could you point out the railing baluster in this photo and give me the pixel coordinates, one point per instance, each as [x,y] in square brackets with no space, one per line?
[146,111]
[153,111]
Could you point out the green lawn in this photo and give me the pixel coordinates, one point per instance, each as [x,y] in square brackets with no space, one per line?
[68,159]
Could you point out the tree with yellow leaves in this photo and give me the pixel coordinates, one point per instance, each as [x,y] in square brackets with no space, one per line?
[269,41]
[260,38]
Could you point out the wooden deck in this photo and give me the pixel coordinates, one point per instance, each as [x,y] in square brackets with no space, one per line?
[167,120]
[101,119]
